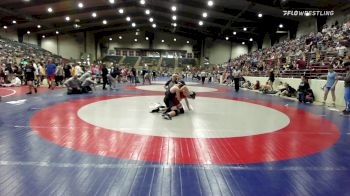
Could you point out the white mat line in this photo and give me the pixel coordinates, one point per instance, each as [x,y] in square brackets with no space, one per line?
[167,166]
[13,92]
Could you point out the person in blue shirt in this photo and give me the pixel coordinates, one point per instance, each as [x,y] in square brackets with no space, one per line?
[346,111]
[330,85]
[50,74]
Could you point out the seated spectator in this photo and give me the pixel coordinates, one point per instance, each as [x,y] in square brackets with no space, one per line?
[247,85]
[15,82]
[266,88]
[257,85]
[73,85]
[87,84]
[304,93]
[288,91]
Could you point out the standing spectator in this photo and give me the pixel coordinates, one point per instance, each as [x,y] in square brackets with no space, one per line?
[104,76]
[67,71]
[30,77]
[59,75]
[133,75]
[236,77]
[78,70]
[330,84]
[203,76]
[50,74]
[271,78]
[346,111]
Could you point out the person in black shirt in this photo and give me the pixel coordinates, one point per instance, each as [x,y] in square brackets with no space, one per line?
[303,89]
[67,71]
[30,76]
[271,78]
[104,76]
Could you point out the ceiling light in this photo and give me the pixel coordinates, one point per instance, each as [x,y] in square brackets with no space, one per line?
[80,5]
[146,38]
[128,18]
[28,32]
[227,38]
[94,14]
[244,29]
[39,26]
[120,37]
[67,18]
[137,33]
[280,26]
[43,36]
[188,42]
[57,32]
[174,39]
[210,3]
[243,43]
[162,40]
[200,23]
[147,12]
[111,1]
[104,22]
[5,27]
[204,14]
[234,32]
[173,8]
[133,24]
[135,40]
[110,39]
[14,22]
[50,10]
[151,19]
[251,39]
[174,24]
[121,11]
[142,2]
[154,25]
[260,15]
[174,17]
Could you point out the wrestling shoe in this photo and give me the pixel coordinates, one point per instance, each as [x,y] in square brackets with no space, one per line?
[155,110]
[166,116]
[346,113]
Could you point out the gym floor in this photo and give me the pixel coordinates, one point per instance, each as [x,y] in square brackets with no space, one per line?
[108,143]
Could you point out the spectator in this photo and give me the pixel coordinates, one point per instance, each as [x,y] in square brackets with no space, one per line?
[50,74]
[330,85]
[73,85]
[104,76]
[303,90]
[346,111]
[15,82]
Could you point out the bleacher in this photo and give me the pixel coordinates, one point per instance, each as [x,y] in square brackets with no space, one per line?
[130,61]
[110,58]
[168,62]
[150,61]
[186,61]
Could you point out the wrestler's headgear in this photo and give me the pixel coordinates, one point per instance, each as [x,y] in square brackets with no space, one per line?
[182,83]
[192,95]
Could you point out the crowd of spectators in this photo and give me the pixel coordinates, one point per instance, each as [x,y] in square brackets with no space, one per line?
[309,53]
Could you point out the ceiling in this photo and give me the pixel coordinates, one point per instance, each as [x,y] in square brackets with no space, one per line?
[224,17]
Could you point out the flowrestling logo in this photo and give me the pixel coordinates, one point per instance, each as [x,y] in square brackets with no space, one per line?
[307,13]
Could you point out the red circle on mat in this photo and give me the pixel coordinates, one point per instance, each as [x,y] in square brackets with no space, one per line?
[6,92]
[306,134]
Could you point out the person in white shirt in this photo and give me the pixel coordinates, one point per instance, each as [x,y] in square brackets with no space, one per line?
[236,77]
[14,83]
[203,76]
